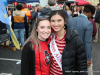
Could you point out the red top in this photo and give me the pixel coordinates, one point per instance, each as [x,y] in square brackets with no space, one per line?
[30,16]
[42,62]
[55,69]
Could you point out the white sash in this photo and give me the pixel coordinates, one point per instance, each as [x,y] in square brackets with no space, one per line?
[55,52]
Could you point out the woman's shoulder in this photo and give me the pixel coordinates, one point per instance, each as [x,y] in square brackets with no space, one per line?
[28,46]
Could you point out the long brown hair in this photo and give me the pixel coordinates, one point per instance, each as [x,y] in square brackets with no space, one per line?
[34,33]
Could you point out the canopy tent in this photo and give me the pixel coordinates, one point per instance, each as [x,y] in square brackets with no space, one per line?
[67,2]
[82,2]
[26,1]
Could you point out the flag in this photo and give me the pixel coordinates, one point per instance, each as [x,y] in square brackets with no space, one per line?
[4,19]
[5,2]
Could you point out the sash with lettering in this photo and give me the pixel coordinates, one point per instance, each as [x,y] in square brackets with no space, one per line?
[55,52]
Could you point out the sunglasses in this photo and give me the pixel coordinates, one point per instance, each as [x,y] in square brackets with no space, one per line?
[40,17]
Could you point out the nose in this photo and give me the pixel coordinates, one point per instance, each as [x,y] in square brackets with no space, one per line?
[46,30]
[56,23]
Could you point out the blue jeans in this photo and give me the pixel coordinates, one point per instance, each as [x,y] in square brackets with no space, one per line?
[20,32]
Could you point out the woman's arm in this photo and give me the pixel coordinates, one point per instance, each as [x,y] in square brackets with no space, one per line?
[81,60]
[25,60]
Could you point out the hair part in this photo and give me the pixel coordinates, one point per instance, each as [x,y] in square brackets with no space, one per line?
[89,8]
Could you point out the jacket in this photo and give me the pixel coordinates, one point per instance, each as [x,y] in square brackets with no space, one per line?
[28,59]
[74,55]
[27,12]
[94,27]
[97,16]
[34,16]
[18,19]
[84,28]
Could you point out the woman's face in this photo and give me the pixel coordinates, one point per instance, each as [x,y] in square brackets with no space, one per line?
[9,13]
[75,8]
[57,23]
[44,30]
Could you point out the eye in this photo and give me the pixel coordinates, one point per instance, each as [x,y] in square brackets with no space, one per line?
[42,27]
[49,27]
[52,21]
[59,20]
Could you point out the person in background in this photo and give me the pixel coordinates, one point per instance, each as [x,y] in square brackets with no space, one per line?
[68,11]
[97,20]
[78,8]
[19,19]
[26,11]
[35,58]
[67,50]
[75,12]
[81,9]
[84,28]
[34,15]
[38,9]
[94,26]
[9,15]
[30,18]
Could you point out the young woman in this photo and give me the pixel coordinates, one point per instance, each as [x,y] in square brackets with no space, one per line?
[67,51]
[35,58]
[9,15]
[75,12]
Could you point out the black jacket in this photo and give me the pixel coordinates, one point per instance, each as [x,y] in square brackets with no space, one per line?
[73,58]
[97,16]
[28,60]
[34,16]
[74,55]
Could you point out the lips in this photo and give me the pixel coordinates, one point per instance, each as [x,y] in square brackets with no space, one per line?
[45,34]
[56,27]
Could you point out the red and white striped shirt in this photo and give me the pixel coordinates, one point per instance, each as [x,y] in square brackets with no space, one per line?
[55,69]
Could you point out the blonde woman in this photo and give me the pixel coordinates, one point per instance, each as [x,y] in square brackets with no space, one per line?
[35,58]
[68,11]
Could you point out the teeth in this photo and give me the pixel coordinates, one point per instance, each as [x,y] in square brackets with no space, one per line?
[56,27]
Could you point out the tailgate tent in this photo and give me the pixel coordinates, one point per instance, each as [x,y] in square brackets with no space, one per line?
[26,1]
[82,2]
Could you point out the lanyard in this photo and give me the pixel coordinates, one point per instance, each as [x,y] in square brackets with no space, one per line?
[84,16]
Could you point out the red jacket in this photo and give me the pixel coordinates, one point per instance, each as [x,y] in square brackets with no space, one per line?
[94,27]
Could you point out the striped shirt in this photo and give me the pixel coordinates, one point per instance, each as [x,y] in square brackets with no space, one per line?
[55,69]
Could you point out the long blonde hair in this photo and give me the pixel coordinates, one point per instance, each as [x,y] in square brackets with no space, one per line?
[34,33]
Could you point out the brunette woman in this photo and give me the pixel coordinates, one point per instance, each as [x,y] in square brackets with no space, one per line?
[67,50]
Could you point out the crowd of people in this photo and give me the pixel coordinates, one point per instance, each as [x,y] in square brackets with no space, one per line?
[61,38]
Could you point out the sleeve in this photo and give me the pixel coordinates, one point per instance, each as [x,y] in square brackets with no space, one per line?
[81,60]
[33,14]
[28,13]
[97,15]
[25,60]
[88,40]
[25,18]
[94,28]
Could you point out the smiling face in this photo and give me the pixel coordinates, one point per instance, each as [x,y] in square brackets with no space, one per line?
[44,30]
[57,23]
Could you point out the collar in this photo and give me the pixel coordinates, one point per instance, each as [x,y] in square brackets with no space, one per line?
[84,16]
